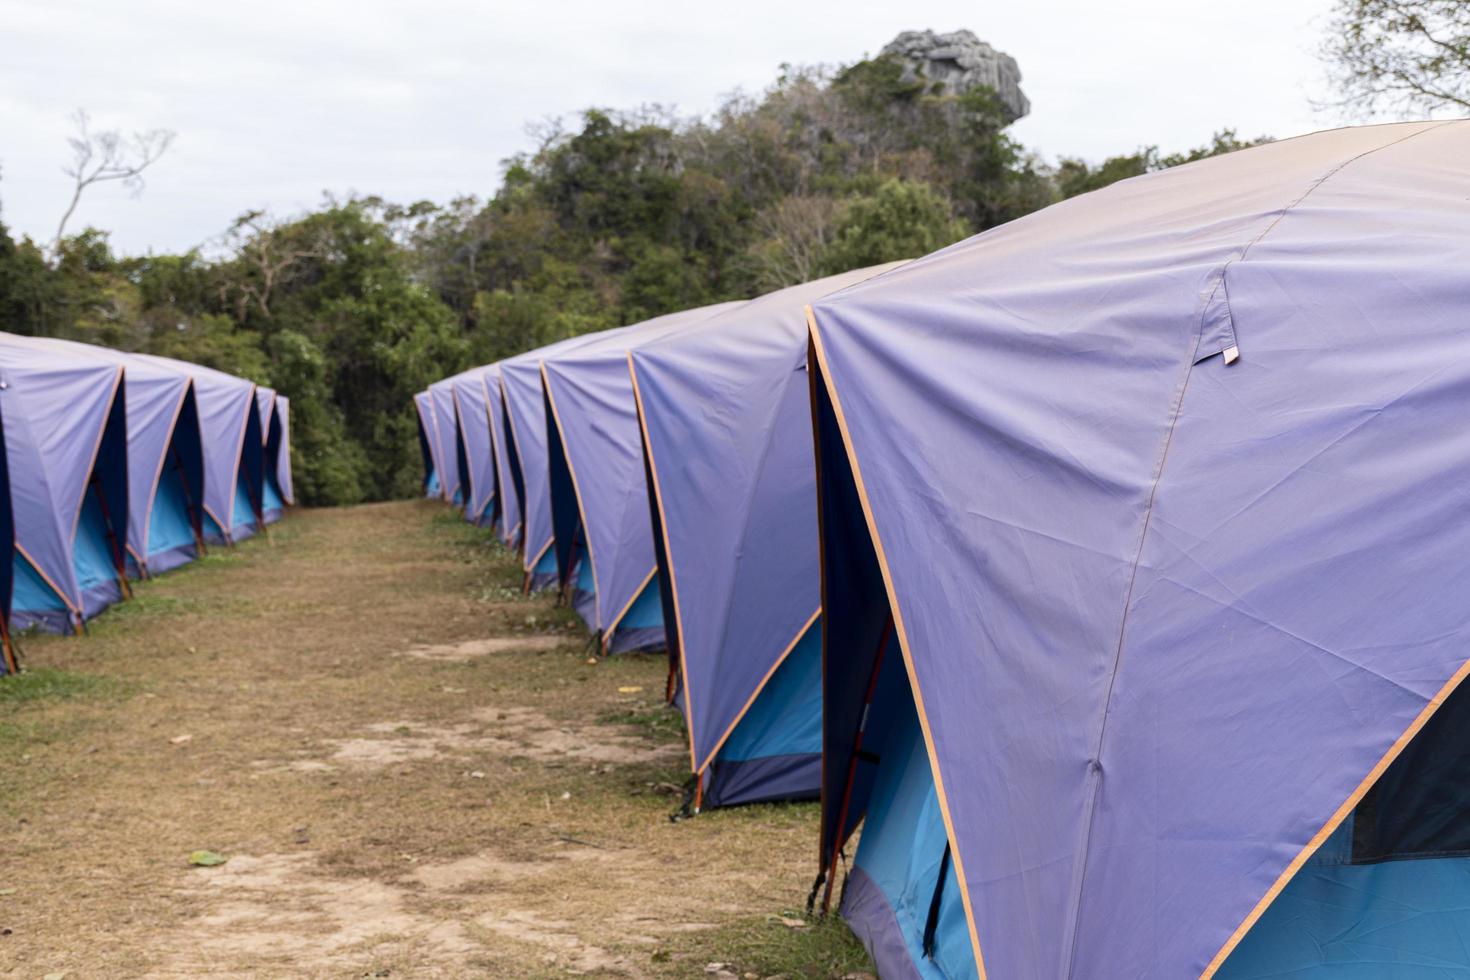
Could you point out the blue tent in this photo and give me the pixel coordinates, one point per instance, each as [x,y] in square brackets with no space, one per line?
[508,480]
[66,448]
[423,404]
[165,457]
[599,497]
[525,406]
[728,446]
[278,450]
[234,452]
[472,407]
[273,499]
[1144,570]
[450,448]
[8,662]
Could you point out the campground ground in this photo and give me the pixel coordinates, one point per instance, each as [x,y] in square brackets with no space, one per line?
[411,769]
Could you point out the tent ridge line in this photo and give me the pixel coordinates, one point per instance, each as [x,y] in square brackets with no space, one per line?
[1094,770]
[1094,763]
[901,629]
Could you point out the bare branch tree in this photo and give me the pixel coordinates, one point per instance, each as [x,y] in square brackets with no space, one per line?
[106,155]
[1399,56]
[267,251]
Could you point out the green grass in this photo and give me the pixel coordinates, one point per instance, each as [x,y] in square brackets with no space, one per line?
[778,945]
[52,683]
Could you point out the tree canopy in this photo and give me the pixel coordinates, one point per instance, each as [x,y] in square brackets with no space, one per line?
[353,307]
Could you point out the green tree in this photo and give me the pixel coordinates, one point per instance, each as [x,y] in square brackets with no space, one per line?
[1400,56]
[900,220]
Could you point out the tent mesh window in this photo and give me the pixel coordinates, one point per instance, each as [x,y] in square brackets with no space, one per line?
[1420,806]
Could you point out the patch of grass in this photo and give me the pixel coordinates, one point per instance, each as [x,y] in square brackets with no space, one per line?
[775,945]
[660,720]
[53,683]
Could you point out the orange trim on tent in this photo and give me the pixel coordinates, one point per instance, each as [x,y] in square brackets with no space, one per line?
[943,796]
[658,500]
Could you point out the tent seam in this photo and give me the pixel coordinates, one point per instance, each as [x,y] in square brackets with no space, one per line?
[1094,770]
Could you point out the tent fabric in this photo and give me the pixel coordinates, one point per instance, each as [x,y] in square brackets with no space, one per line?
[473,408]
[727,430]
[281,440]
[272,500]
[446,429]
[66,454]
[525,406]
[7,556]
[507,464]
[229,428]
[590,397]
[165,456]
[1164,483]
[428,443]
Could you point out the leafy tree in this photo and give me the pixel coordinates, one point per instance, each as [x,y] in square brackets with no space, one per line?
[357,304]
[1400,56]
[1075,176]
[900,220]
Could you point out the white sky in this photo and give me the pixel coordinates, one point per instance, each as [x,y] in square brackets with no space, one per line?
[275,102]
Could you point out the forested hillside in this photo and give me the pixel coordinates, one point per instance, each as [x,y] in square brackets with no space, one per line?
[626,214]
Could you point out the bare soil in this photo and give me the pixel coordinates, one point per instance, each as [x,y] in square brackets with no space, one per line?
[412,770]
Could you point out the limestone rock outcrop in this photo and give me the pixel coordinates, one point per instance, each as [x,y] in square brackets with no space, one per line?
[956,62]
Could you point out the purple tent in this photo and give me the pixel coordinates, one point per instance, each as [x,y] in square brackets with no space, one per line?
[1157,498]
[451,458]
[66,451]
[525,406]
[728,442]
[8,662]
[234,470]
[165,457]
[472,406]
[272,501]
[599,497]
[423,404]
[507,465]
[278,449]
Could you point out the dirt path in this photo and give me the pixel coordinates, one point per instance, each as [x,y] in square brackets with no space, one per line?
[412,770]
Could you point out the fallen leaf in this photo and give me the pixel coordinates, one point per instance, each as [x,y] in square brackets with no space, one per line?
[181,739]
[791,923]
[206,859]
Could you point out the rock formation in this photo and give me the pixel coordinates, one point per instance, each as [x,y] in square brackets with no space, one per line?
[957,62]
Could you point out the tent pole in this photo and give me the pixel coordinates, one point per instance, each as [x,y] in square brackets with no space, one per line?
[857,750]
[563,596]
[118,561]
[196,522]
[255,505]
[12,662]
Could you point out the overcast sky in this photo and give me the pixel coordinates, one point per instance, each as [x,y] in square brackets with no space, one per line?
[274,102]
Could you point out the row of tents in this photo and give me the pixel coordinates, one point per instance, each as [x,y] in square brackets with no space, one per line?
[120,466]
[1111,568]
